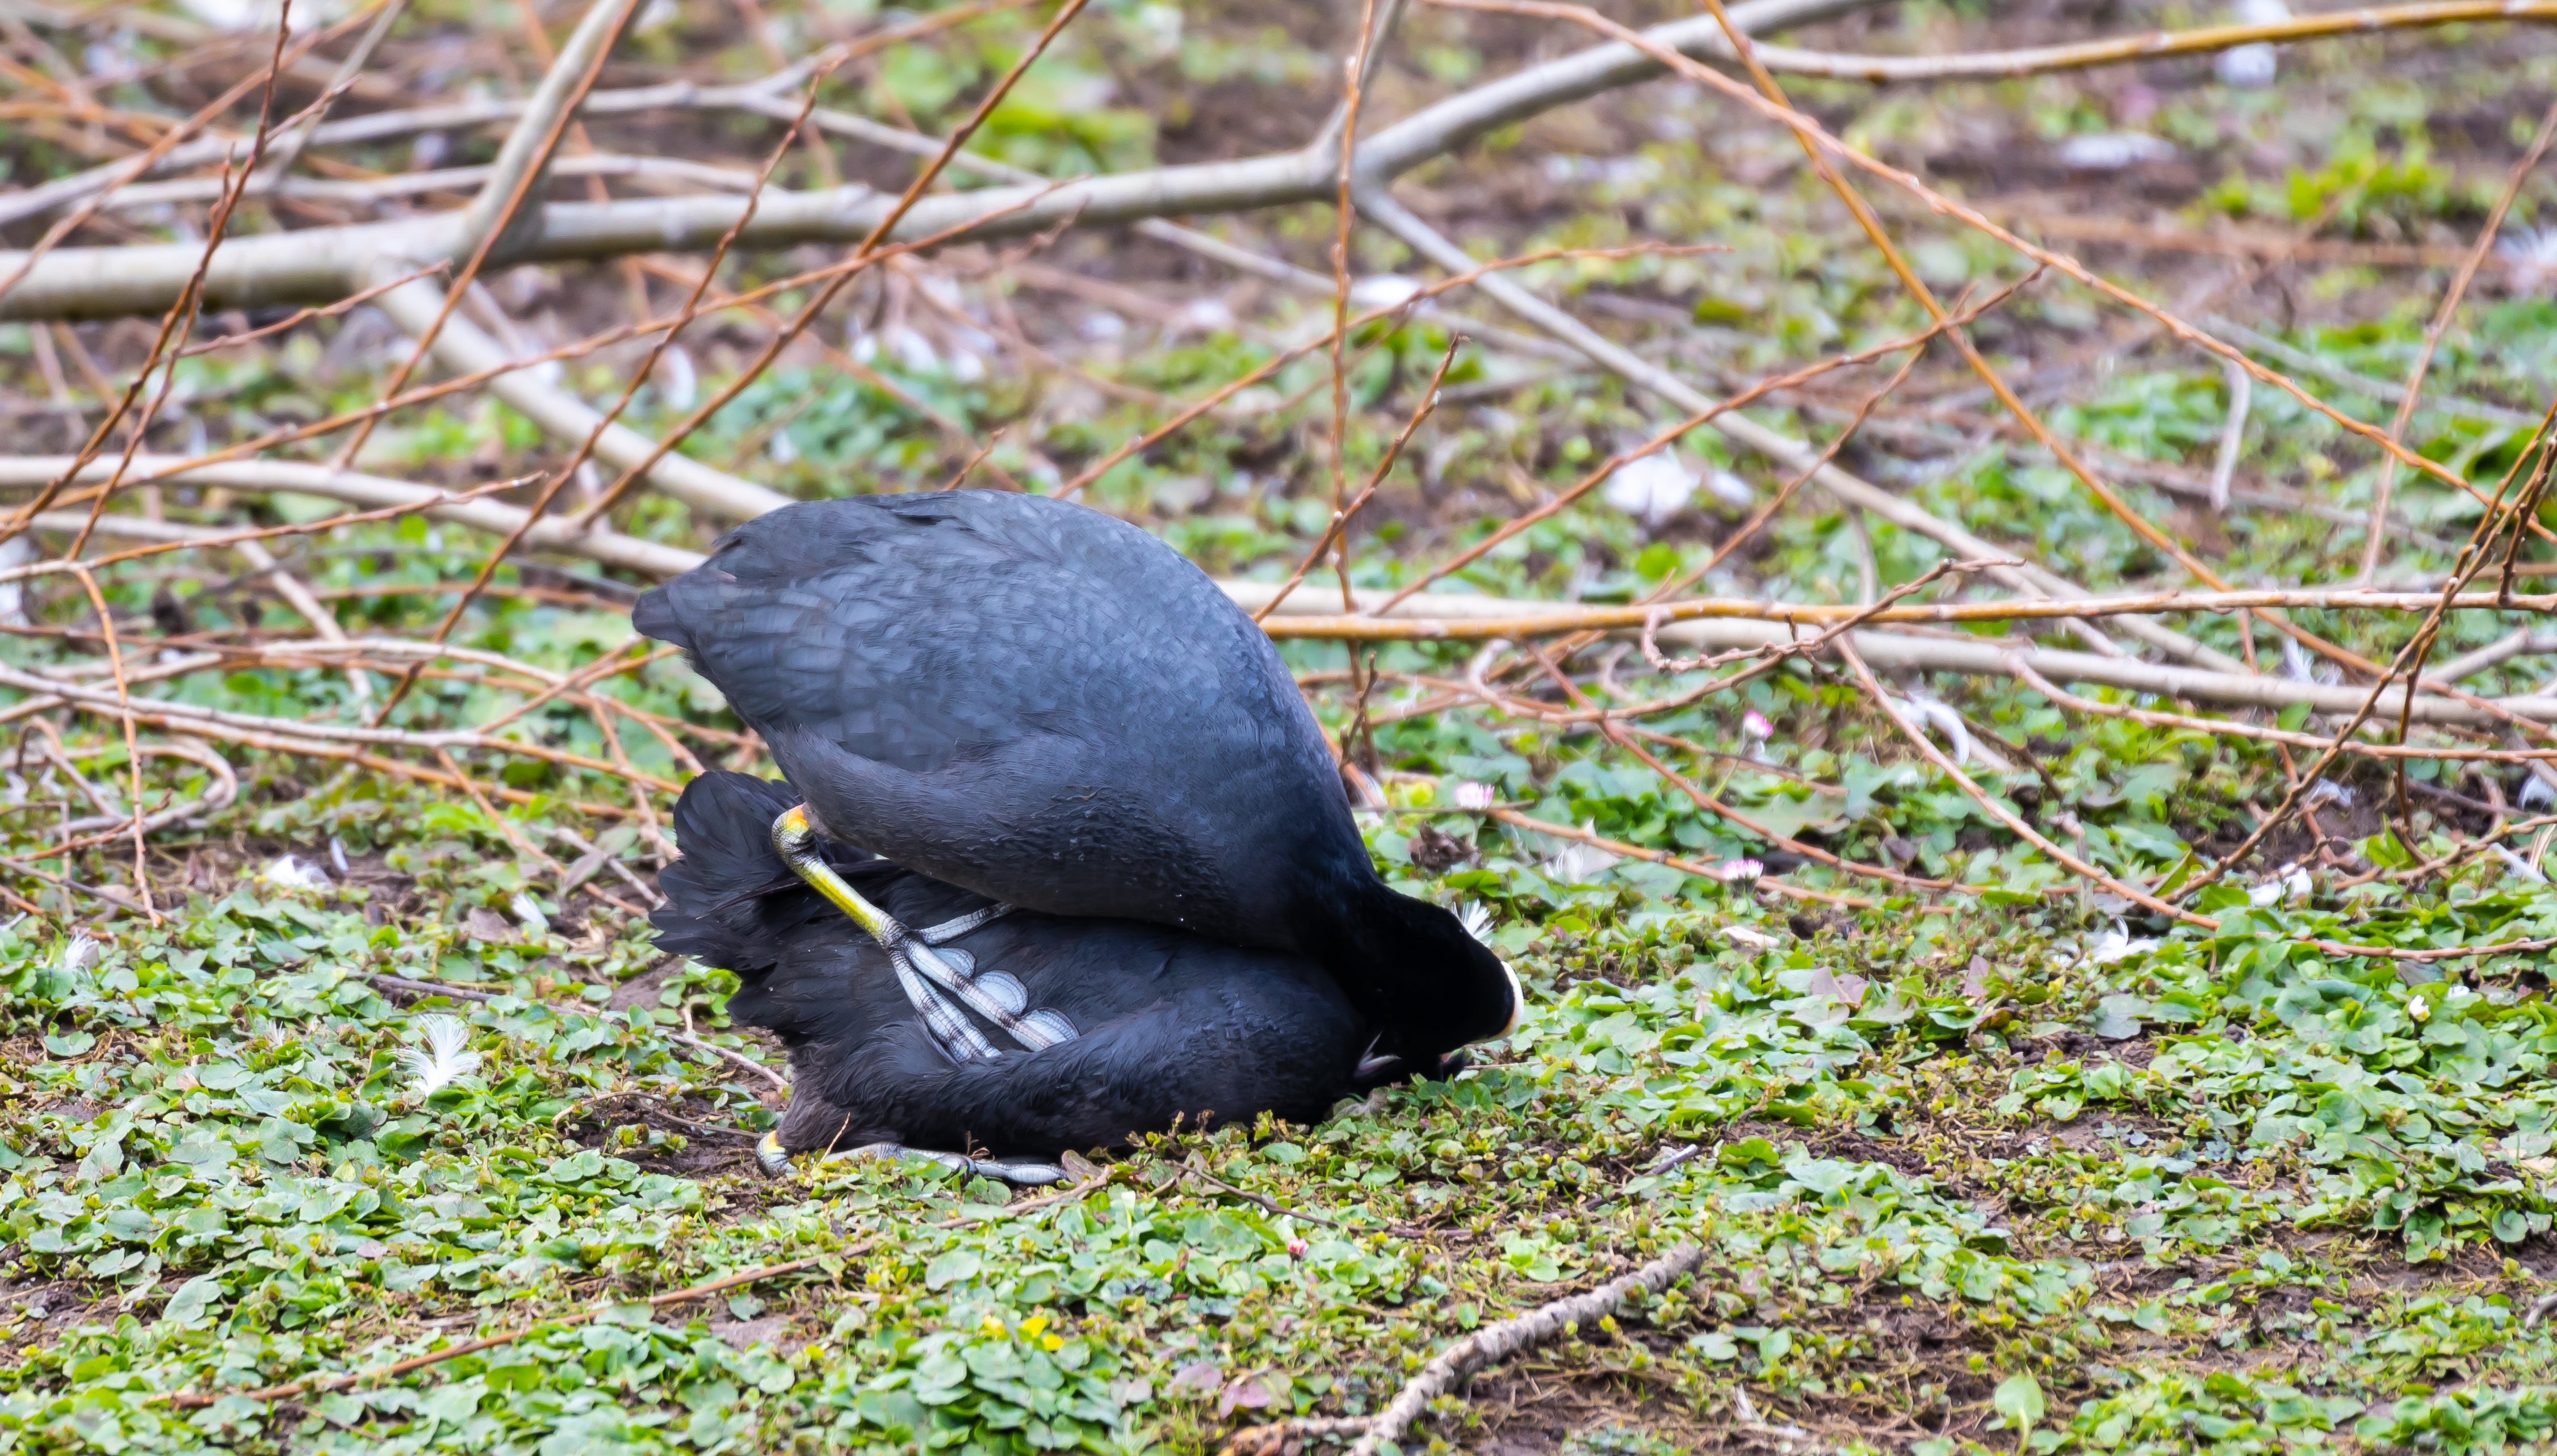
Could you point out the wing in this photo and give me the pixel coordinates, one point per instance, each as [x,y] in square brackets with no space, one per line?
[1025,698]
[920,631]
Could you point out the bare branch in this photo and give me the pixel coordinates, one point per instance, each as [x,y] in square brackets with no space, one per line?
[1793,454]
[1968,656]
[2155,45]
[2375,537]
[319,264]
[610,548]
[462,348]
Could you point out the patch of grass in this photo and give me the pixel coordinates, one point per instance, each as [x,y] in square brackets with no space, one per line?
[2181,1187]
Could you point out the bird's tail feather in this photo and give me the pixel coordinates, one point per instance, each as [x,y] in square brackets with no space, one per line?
[714,893]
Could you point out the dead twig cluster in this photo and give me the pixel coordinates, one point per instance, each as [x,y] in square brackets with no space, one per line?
[424,269]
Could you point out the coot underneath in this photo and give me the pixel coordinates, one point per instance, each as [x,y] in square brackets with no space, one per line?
[1168,1026]
[1053,709]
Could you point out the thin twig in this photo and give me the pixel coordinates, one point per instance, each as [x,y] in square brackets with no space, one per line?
[521,165]
[1488,1346]
[865,254]
[1337,530]
[1996,810]
[2375,537]
[586,448]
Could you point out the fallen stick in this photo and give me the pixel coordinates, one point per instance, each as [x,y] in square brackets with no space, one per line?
[1968,656]
[2226,728]
[355,487]
[1487,1346]
[188,1400]
[1561,619]
[313,264]
[1688,867]
[2157,45]
[739,1057]
[317,1384]
[2427,957]
[1454,615]
[190,718]
[409,987]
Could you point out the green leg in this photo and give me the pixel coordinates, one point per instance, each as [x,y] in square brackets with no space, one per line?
[796,840]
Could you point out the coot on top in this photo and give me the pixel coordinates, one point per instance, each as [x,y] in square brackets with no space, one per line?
[1033,701]
[1171,1028]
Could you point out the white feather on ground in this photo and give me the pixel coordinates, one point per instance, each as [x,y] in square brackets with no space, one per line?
[288,873]
[2113,151]
[1944,719]
[528,913]
[2533,248]
[2259,63]
[2290,882]
[443,1060]
[1574,862]
[1651,489]
[2522,868]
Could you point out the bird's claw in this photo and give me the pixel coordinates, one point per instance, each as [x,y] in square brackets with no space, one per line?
[1019,1173]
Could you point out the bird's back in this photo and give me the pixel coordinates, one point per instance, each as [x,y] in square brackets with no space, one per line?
[1022,697]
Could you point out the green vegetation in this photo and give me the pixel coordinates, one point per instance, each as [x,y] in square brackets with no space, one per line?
[2204,1192]
[2010,1167]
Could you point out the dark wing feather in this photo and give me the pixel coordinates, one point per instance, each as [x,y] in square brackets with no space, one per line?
[1024,697]
[916,632]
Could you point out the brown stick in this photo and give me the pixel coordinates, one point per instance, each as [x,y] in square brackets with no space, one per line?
[1657,856]
[1338,528]
[1996,810]
[871,250]
[2225,727]
[2126,50]
[1715,806]
[135,167]
[1968,217]
[2376,535]
[174,325]
[1755,392]
[1549,621]
[1229,389]
[586,448]
[522,163]
[1487,1346]
[188,1401]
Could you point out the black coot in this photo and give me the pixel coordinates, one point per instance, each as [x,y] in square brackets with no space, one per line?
[1172,1028]
[1051,707]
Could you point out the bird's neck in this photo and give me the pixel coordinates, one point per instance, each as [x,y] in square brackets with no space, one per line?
[1394,957]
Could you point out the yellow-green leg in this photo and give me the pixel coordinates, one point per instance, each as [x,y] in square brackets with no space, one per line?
[796,840]
[919,969]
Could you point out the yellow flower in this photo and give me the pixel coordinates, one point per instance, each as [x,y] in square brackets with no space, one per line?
[1034,1324]
[994,1325]
[1052,1342]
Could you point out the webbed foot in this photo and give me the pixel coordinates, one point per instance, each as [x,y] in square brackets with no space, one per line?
[931,979]
[1019,1173]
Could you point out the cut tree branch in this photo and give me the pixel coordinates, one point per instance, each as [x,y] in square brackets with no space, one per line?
[319,264]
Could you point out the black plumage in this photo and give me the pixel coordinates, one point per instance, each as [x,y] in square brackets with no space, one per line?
[1173,1027]
[1046,706]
